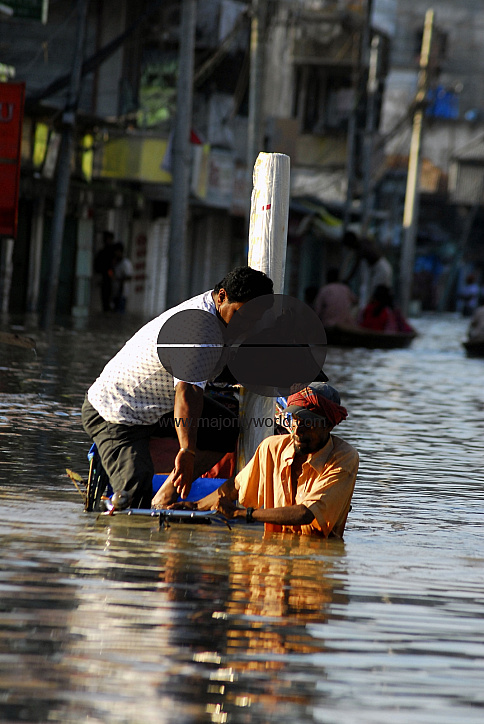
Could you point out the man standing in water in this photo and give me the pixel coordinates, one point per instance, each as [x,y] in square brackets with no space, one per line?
[103,265]
[302,482]
[137,396]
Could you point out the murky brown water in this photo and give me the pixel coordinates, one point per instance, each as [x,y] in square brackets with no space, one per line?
[110,623]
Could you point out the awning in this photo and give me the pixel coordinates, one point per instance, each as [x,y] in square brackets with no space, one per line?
[316,218]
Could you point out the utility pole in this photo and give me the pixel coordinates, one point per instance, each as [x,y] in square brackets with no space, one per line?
[64,167]
[410,212]
[177,289]
[372,88]
[362,70]
[256,85]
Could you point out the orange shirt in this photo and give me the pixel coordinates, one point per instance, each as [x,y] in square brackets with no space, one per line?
[325,485]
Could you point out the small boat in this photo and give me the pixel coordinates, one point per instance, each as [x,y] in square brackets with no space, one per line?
[17,340]
[96,493]
[474,347]
[348,336]
[167,516]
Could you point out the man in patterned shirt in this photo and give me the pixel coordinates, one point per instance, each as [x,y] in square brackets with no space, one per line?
[154,386]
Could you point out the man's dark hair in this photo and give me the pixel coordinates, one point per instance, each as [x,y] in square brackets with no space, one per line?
[382,297]
[244,283]
[332,275]
[351,240]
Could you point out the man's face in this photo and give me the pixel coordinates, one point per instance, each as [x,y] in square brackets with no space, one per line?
[226,309]
[308,435]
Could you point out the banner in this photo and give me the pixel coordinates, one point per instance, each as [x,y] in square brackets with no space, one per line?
[12,96]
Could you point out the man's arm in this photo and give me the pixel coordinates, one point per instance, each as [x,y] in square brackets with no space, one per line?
[290,515]
[187,411]
[223,499]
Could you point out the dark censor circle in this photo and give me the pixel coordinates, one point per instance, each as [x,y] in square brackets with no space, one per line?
[276,345]
[190,345]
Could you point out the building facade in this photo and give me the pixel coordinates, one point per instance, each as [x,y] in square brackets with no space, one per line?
[299,96]
[450,215]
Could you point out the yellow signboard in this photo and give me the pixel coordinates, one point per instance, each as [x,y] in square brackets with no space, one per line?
[138,159]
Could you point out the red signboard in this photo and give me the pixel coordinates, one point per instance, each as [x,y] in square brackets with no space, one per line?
[12,96]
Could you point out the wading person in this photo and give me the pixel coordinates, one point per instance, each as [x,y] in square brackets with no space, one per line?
[375,269]
[103,265]
[476,327]
[123,272]
[302,482]
[137,396]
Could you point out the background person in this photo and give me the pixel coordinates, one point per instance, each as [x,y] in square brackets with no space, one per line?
[381,315]
[335,303]
[468,296]
[104,266]
[375,269]
[122,274]
[476,327]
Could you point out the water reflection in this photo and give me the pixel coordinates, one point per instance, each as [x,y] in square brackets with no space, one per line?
[209,626]
[117,623]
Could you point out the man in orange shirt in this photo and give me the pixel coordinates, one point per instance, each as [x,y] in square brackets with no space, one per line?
[302,482]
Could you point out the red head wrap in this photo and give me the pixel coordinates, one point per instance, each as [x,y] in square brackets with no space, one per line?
[309,399]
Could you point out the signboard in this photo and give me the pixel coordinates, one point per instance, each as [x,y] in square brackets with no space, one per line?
[29,9]
[220,180]
[12,96]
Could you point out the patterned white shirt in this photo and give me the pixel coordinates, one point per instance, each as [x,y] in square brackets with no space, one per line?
[135,388]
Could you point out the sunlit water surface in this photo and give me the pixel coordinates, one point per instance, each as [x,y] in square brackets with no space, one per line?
[116,623]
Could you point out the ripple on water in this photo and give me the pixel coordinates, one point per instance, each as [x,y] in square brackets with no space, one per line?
[129,623]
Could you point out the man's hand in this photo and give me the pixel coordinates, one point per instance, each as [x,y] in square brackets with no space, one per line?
[184,505]
[182,474]
[220,500]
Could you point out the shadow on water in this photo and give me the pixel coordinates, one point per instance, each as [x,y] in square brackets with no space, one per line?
[116,623]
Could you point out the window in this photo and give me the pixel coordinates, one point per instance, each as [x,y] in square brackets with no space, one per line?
[323,99]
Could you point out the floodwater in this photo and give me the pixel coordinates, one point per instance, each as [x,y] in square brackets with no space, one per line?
[112,623]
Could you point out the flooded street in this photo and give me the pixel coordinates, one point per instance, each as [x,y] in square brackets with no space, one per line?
[112,623]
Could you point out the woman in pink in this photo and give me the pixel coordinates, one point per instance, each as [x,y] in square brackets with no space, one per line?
[335,303]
